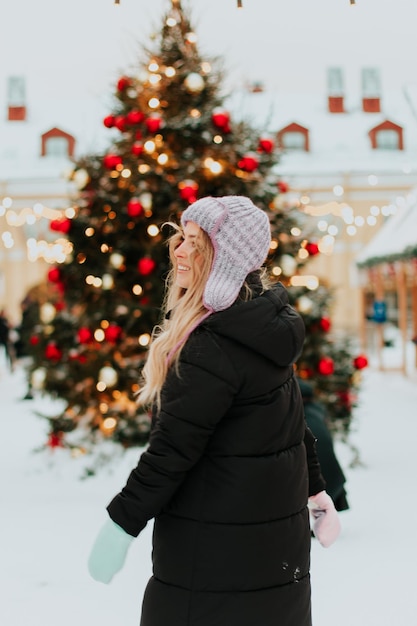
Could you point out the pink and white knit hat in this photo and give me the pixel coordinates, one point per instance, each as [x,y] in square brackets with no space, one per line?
[241,236]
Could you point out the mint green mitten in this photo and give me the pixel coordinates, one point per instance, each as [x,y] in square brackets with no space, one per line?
[109,552]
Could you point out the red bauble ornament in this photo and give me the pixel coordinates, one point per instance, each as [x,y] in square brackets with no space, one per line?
[360,362]
[113,333]
[120,123]
[84,335]
[54,275]
[135,117]
[34,340]
[312,248]
[248,163]
[146,266]
[60,226]
[60,304]
[325,324]
[52,352]
[188,190]
[283,186]
[109,121]
[110,161]
[123,83]
[345,399]
[137,148]
[220,118]
[326,366]
[153,123]
[134,208]
[55,440]
[266,144]
[306,372]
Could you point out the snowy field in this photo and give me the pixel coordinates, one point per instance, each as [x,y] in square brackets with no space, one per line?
[49,519]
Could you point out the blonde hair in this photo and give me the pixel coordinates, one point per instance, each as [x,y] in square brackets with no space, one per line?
[185,308]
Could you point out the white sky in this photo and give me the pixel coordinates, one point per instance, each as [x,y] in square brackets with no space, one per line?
[71,49]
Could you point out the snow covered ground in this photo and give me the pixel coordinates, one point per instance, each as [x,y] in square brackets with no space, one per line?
[49,518]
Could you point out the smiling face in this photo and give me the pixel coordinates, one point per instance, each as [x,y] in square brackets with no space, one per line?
[187,255]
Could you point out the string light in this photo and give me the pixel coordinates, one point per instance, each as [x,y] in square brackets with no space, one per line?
[239,4]
[352,1]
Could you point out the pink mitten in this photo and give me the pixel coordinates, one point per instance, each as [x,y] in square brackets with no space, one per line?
[326,525]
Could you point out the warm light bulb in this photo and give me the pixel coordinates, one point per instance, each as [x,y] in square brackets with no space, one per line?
[144,339]
[191,37]
[162,159]
[149,146]
[153,230]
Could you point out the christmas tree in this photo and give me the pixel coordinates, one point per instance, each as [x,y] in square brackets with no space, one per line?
[176,142]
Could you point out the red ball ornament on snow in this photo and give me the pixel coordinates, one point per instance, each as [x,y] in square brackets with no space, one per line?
[326,366]
[135,117]
[110,161]
[146,266]
[54,275]
[52,352]
[134,208]
[325,324]
[60,226]
[153,123]
[137,148]
[220,118]
[312,248]
[266,144]
[188,190]
[84,335]
[360,362]
[109,121]
[123,83]
[113,333]
[283,187]
[248,163]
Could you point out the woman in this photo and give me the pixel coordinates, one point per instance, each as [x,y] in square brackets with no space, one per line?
[226,475]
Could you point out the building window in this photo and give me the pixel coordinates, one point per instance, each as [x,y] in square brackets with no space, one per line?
[387,136]
[57,143]
[294,137]
[387,140]
[56,147]
[16,95]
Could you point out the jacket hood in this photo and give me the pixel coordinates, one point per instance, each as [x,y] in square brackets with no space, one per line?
[268,324]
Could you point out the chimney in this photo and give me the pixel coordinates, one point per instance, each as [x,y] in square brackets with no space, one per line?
[16,99]
[335,90]
[371,90]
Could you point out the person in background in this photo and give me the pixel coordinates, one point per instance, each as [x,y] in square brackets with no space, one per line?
[231,466]
[315,414]
[6,339]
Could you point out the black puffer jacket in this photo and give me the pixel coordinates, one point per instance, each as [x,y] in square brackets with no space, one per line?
[226,477]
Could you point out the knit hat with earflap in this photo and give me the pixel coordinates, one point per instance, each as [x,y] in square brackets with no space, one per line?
[241,236]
